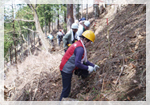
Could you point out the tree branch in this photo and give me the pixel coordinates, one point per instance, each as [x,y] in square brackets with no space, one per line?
[29,29]
[30,6]
[24,20]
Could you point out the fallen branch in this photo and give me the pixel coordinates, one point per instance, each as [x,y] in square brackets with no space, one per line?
[37,85]
[122,68]
[42,96]
[134,89]
[105,76]
[23,38]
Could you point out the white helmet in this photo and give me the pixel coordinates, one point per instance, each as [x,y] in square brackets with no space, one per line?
[74,26]
[87,23]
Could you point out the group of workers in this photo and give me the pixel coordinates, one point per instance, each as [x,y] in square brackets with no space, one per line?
[75,42]
[72,35]
[60,35]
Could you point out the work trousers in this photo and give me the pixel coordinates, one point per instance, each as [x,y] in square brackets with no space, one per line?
[59,39]
[66,81]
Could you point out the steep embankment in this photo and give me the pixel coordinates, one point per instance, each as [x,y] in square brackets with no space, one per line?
[122,57]
[122,61]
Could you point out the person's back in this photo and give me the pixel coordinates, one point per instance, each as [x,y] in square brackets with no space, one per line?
[82,28]
[59,37]
[70,36]
[50,36]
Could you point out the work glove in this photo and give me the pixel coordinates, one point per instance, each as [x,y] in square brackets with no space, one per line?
[69,45]
[96,67]
[90,69]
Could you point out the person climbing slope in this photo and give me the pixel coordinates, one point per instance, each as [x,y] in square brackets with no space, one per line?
[59,37]
[82,20]
[82,27]
[75,58]
[50,37]
[70,36]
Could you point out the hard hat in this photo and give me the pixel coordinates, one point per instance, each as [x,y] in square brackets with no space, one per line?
[74,26]
[89,35]
[87,23]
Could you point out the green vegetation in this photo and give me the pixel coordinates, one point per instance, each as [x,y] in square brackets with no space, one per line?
[15,20]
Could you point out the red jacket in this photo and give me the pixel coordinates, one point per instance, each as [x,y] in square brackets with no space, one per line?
[68,61]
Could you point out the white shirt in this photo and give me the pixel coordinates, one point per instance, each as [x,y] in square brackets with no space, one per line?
[79,32]
[59,33]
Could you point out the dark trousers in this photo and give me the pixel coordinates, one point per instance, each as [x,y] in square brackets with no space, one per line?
[60,39]
[66,81]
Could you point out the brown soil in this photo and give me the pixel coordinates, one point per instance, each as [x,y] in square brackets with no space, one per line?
[119,50]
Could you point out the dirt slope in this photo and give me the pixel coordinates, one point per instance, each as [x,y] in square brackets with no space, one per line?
[125,50]
[38,77]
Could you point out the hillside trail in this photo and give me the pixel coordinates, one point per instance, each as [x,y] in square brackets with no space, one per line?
[122,61]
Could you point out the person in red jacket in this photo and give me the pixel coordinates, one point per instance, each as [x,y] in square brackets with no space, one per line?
[75,58]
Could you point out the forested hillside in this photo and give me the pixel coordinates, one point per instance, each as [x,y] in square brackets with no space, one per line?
[119,49]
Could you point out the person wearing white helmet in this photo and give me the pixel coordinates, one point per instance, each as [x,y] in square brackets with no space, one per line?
[59,37]
[81,21]
[82,28]
[70,36]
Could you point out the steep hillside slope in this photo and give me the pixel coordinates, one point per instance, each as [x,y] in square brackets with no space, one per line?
[119,50]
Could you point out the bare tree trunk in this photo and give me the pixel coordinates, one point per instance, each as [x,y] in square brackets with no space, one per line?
[79,15]
[39,29]
[52,26]
[21,57]
[22,40]
[14,35]
[45,24]
[34,39]
[49,25]
[28,40]
[96,10]
[70,18]
[81,10]
[65,15]
[10,54]
[65,18]
[58,18]
[86,11]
